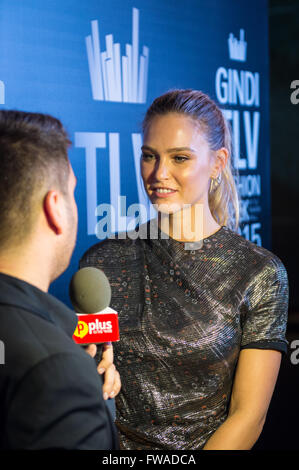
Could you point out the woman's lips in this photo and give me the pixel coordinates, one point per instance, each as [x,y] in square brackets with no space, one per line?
[163,194]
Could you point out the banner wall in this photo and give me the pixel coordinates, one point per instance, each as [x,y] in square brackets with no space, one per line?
[98,65]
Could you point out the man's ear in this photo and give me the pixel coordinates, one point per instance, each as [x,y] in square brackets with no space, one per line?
[53,209]
[220,161]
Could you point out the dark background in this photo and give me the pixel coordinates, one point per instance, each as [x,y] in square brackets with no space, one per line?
[281,430]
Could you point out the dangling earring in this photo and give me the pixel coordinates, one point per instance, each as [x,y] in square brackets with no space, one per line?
[215,182]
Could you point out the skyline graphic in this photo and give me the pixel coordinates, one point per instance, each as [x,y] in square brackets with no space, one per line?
[114,77]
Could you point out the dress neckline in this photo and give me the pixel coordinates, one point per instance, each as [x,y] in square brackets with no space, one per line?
[179,248]
[203,240]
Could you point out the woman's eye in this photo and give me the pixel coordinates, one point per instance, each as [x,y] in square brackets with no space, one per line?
[180,159]
[147,156]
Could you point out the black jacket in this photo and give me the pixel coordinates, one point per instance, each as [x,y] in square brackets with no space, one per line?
[50,391]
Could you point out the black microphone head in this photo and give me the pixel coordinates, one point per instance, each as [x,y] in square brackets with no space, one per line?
[89,290]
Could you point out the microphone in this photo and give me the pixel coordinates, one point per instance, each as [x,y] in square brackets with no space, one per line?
[90,294]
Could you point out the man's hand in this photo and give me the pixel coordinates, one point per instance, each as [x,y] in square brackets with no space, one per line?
[112,383]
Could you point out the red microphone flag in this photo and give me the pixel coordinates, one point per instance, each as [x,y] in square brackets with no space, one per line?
[98,327]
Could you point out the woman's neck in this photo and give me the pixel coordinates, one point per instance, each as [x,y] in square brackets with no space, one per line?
[191,224]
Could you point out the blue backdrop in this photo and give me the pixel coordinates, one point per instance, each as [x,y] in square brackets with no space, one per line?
[97,65]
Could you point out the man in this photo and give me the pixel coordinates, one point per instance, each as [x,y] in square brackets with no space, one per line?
[50,390]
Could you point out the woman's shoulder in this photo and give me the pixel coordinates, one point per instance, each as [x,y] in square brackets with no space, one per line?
[250,252]
[116,247]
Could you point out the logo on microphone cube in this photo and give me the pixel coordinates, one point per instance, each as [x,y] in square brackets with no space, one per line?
[81,330]
[97,328]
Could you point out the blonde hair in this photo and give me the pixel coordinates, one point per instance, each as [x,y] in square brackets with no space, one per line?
[223,196]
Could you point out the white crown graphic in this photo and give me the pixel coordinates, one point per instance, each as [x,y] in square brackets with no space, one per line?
[237,49]
[115,78]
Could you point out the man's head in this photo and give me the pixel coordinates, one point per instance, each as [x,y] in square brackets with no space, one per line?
[36,184]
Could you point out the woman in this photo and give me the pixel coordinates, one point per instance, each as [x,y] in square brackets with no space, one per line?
[202,325]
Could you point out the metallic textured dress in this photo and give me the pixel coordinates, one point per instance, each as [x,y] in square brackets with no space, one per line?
[184,317]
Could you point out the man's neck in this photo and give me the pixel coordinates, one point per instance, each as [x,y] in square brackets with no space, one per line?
[27,268]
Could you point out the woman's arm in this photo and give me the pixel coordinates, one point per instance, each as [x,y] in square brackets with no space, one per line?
[254,383]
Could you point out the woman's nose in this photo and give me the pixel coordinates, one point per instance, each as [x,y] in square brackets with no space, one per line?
[161,169]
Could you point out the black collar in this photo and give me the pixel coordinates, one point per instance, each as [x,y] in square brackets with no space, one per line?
[20,294]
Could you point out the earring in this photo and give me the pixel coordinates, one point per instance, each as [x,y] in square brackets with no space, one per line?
[215,182]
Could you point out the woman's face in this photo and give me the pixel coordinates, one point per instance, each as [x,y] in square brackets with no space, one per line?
[176,162]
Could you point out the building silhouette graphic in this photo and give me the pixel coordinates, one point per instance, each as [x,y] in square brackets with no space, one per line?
[115,77]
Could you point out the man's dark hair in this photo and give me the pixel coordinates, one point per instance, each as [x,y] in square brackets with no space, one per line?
[33,160]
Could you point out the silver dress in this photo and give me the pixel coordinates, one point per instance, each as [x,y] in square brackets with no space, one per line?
[184,316]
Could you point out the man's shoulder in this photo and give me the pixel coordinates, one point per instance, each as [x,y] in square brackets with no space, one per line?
[29,340]
[39,353]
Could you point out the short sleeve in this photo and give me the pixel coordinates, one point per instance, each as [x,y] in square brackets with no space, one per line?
[265,308]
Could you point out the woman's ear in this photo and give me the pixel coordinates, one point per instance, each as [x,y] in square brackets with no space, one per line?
[220,161]
[53,210]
